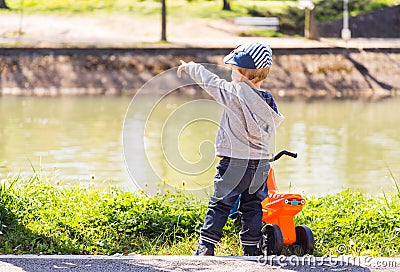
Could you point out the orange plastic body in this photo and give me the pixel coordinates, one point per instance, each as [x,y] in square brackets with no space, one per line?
[280,209]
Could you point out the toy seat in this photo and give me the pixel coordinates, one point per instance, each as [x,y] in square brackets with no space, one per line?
[280,209]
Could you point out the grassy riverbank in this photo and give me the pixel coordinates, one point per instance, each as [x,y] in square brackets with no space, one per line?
[37,217]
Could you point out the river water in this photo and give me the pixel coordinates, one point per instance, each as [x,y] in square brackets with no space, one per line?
[341,144]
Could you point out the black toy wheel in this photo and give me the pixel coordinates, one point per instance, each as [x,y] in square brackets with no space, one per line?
[304,240]
[271,242]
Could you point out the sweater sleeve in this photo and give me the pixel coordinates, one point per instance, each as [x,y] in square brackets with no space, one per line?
[221,90]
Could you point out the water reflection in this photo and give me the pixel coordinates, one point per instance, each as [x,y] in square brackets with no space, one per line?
[73,137]
[342,144]
[173,147]
[346,144]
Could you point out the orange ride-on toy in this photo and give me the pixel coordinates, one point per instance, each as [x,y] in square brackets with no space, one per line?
[278,215]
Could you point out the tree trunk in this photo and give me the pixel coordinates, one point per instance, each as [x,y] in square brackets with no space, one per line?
[313,26]
[310,25]
[226,6]
[3,4]
[163,21]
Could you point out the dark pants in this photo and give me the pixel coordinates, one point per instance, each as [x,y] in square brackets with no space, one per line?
[236,177]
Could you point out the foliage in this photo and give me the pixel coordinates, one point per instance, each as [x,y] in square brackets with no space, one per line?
[333,9]
[38,217]
[353,223]
[292,18]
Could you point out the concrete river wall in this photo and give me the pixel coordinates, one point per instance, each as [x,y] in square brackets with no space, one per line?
[310,73]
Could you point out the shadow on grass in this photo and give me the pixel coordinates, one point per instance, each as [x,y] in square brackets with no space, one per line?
[15,238]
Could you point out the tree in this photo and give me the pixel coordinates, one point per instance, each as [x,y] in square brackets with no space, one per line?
[226,5]
[310,25]
[163,21]
[3,4]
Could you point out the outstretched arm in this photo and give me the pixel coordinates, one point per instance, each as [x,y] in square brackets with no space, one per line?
[222,91]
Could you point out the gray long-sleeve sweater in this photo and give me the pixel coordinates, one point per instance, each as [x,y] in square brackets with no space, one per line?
[247,122]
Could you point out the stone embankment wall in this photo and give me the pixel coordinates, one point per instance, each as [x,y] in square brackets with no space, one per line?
[321,72]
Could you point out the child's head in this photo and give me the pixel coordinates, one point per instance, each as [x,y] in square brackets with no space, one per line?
[252,60]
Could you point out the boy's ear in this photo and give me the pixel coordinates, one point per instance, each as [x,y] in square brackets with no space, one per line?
[240,71]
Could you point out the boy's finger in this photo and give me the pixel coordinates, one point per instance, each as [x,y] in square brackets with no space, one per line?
[181,68]
[179,71]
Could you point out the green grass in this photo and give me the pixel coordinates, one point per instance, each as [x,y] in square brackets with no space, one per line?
[261,33]
[353,223]
[37,216]
[175,8]
[210,9]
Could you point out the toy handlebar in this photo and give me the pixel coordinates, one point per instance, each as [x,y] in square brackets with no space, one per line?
[281,153]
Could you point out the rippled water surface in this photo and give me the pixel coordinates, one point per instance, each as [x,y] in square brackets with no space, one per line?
[341,144]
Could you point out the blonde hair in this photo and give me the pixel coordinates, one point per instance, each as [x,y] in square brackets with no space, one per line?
[255,75]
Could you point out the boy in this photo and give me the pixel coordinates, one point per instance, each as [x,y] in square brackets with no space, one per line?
[248,122]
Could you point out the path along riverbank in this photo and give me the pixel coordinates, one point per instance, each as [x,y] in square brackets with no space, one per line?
[34,263]
[116,30]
